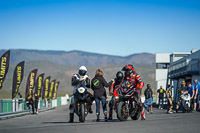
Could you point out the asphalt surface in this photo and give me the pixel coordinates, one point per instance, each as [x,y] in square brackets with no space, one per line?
[56,121]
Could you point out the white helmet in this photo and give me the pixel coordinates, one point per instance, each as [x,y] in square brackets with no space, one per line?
[82,70]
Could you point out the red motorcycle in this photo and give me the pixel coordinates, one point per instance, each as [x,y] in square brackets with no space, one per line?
[127,105]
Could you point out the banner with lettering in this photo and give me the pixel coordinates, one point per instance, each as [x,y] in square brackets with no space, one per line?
[55,90]
[52,85]
[46,87]
[4,65]
[17,78]
[39,84]
[30,84]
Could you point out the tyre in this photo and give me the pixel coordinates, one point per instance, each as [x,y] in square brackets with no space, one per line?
[136,116]
[121,112]
[82,112]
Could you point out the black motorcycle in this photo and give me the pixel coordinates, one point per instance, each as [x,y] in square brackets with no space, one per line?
[81,106]
[128,105]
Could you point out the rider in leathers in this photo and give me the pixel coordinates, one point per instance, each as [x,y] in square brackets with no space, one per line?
[77,80]
[115,84]
[131,75]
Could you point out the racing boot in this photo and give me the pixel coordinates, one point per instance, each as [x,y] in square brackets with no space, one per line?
[110,117]
[105,118]
[90,110]
[71,117]
[143,114]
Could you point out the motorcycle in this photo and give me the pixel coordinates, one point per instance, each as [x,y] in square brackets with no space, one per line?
[81,106]
[186,100]
[127,105]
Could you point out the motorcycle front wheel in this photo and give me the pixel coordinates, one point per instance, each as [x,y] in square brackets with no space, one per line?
[82,112]
[121,111]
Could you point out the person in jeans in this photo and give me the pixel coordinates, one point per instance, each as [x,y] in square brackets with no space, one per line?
[97,84]
[190,90]
[197,89]
[148,93]
[160,95]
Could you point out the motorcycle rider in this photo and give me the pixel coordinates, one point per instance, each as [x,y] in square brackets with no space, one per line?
[117,82]
[131,75]
[77,80]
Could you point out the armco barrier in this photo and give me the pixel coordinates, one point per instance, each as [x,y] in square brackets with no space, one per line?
[9,106]
[59,101]
[6,106]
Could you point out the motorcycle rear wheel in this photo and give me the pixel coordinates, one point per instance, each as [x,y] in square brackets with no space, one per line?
[136,116]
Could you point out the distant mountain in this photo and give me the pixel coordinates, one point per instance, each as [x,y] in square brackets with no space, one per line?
[63,73]
[77,58]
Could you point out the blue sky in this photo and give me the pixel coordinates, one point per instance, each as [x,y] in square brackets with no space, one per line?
[115,27]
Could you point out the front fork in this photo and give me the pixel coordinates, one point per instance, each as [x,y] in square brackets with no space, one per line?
[127,106]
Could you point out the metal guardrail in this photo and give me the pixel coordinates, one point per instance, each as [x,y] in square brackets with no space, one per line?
[4,116]
[9,106]
[13,108]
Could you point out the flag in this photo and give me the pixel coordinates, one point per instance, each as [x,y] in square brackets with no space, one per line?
[17,78]
[55,90]
[30,84]
[52,85]
[4,65]
[39,84]
[46,88]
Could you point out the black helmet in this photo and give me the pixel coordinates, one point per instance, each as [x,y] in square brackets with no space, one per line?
[119,76]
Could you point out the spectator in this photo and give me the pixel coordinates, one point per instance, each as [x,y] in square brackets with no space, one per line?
[197,88]
[98,83]
[20,100]
[30,104]
[191,91]
[148,93]
[169,99]
[180,92]
[36,102]
[160,96]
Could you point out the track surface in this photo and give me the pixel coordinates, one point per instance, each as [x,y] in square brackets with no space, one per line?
[55,121]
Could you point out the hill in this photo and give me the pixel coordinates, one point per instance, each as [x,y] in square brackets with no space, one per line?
[60,65]
[77,58]
[63,74]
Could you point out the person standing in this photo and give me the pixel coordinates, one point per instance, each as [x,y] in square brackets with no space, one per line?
[169,99]
[30,104]
[160,96]
[20,101]
[191,91]
[148,93]
[197,89]
[36,102]
[97,84]
[180,92]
